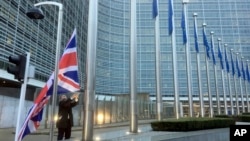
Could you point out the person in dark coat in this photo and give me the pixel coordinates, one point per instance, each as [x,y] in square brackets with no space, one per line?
[65,116]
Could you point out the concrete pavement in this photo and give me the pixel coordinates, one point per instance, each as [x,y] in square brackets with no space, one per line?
[106,132]
[120,132]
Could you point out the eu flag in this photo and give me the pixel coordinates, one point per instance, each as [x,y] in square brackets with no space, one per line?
[227,63]
[205,42]
[232,63]
[243,70]
[183,26]
[170,17]
[247,73]
[155,9]
[196,38]
[212,50]
[237,67]
[220,56]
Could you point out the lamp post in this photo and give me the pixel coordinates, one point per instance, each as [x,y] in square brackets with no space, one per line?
[36,13]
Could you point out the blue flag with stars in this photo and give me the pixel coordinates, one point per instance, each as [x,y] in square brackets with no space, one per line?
[183,26]
[205,42]
[247,73]
[232,63]
[243,70]
[155,9]
[237,66]
[196,38]
[170,17]
[220,56]
[212,51]
[227,63]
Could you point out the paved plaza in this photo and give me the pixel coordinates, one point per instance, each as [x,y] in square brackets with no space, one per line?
[120,132]
[108,132]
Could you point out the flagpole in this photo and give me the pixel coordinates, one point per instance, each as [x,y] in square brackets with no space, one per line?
[236,90]
[133,55]
[89,90]
[198,70]
[230,93]
[241,92]
[96,110]
[223,82]
[111,109]
[22,95]
[242,100]
[190,98]
[208,80]
[176,96]
[246,75]
[58,46]
[215,75]
[235,87]
[157,65]
[229,83]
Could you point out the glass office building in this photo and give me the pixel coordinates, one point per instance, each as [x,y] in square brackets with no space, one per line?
[229,19]
[19,34]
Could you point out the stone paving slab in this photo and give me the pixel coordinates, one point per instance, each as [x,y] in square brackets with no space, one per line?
[111,132]
[101,132]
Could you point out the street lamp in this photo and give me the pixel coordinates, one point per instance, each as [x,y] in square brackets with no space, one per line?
[36,13]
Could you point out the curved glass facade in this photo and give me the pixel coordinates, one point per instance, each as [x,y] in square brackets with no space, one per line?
[228,19]
[113,47]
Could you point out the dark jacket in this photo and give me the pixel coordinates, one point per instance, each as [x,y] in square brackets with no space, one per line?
[65,115]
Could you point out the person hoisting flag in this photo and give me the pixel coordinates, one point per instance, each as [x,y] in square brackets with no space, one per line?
[67,82]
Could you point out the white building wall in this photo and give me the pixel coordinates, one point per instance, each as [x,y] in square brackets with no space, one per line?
[9,112]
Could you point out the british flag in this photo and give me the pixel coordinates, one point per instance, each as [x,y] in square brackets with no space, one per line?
[67,82]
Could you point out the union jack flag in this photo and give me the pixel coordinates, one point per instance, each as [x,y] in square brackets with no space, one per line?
[67,82]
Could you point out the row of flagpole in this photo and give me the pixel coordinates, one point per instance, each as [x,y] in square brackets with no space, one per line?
[207,58]
[215,72]
[88,122]
[88,119]
[89,96]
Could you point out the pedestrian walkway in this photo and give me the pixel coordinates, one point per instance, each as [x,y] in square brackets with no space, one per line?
[120,132]
[106,132]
